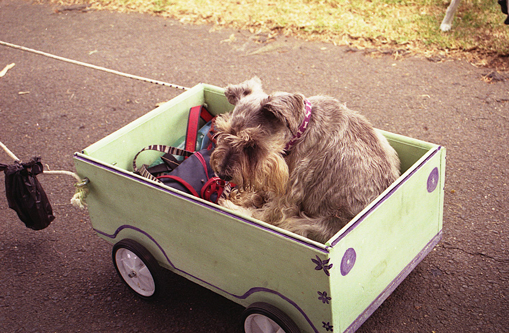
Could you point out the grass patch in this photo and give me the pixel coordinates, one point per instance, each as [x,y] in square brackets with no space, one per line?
[478,30]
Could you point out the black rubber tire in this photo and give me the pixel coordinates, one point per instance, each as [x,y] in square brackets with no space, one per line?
[271,312]
[130,278]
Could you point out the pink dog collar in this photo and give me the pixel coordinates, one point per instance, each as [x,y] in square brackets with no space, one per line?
[302,127]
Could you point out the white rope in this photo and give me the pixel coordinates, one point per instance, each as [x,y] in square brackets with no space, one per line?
[81,189]
[10,153]
[93,66]
[62,172]
[78,199]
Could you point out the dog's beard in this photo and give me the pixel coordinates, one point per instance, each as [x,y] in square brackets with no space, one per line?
[270,175]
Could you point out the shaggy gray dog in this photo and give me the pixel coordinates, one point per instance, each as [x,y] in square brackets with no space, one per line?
[308,165]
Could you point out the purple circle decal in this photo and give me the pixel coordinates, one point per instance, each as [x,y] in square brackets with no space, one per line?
[432,180]
[348,261]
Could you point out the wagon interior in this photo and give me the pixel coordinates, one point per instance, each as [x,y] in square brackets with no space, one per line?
[167,124]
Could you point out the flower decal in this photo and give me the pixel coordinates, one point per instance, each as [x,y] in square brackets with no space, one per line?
[327,326]
[323,297]
[322,264]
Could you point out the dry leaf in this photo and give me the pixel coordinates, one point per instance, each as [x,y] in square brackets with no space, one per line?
[6,68]
[230,39]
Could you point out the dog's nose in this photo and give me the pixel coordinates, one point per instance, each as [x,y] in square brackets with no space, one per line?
[223,173]
[224,177]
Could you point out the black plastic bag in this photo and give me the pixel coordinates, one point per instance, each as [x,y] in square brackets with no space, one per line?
[25,194]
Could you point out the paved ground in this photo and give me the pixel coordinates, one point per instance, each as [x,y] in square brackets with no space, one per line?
[61,279]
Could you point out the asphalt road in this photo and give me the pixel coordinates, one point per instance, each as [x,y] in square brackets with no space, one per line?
[61,279]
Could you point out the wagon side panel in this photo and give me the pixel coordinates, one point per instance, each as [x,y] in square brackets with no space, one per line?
[242,259]
[385,243]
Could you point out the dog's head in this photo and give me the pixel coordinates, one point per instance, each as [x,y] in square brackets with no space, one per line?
[251,139]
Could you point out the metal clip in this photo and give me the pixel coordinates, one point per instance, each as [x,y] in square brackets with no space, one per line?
[82,183]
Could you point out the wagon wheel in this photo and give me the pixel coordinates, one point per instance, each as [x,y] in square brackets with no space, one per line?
[138,269]
[265,318]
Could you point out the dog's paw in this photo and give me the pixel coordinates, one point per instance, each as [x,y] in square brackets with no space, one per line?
[235,92]
[236,208]
[445,27]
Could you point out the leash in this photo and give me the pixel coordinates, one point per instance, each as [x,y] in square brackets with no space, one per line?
[80,63]
[78,199]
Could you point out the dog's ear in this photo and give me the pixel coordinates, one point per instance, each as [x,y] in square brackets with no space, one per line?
[287,108]
[235,92]
[223,122]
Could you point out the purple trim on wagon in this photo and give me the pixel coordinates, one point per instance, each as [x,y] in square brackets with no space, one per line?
[394,284]
[209,206]
[385,197]
[244,296]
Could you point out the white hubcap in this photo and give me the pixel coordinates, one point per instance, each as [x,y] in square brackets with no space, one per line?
[258,323]
[134,272]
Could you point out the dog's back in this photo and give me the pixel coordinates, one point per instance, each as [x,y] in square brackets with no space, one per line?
[311,163]
[341,165]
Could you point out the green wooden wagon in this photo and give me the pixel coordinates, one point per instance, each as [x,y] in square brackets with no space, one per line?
[286,282]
